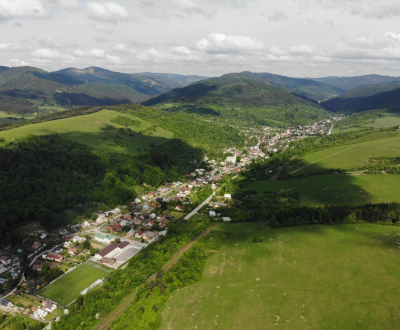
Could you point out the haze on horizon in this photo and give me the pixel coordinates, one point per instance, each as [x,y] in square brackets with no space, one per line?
[298,38]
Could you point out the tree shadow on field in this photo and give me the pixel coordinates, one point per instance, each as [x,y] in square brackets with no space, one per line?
[331,188]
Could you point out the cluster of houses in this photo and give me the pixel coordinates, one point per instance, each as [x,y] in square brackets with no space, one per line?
[38,312]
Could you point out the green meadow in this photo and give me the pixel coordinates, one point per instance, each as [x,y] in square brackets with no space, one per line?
[348,157]
[337,189]
[307,277]
[97,131]
[388,119]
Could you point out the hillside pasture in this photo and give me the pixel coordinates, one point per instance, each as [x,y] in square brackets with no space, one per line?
[306,277]
[349,157]
[97,131]
[336,189]
[66,289]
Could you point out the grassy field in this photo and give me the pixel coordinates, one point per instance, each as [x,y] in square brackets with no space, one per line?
[387,120]
[333,189]
[95,130]
[386,144]
[307,277]
[68,288]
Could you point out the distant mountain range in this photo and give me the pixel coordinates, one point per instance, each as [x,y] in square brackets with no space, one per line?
[91,86]
[365,98]
[349,83]
[95,86]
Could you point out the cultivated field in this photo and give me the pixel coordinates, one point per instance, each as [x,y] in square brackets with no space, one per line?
[95,130]
[306,277]
[347,157]
[333,189]
[68,288]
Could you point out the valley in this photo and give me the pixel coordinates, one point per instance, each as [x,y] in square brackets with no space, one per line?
[221,193]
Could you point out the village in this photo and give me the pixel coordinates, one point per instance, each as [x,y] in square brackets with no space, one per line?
[111,238]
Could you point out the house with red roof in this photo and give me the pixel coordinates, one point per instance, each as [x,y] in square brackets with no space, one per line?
[139,234]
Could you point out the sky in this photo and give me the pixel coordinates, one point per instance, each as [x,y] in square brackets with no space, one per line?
[297,38]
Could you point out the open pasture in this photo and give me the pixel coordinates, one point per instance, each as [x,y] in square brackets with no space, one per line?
[67,288]
[334,189]
[306,277]
[348,157]
[95,130]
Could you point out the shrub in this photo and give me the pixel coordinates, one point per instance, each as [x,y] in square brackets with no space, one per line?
[258,239]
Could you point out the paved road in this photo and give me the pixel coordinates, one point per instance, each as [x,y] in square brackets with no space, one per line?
[187,217]
[330,131]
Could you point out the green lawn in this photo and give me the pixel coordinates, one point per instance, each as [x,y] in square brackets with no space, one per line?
[307,277]
[351,156]
[68,288]
[334,189]
[95,130]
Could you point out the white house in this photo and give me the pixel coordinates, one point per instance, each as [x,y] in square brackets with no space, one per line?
[101,219]
[231,159]
[85,224]
[153,216]
[228,196]
[40,314]
[5,260]
[67,244]
[49,306]
[226,219]
[78,239]
[212,214]
[5,303]
[107,239]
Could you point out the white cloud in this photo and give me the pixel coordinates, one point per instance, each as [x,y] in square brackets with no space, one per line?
[218,43]
[365,8]
[121,48]
[10,9]
[277,16]
[65,4]
[181,51]
[9,46]
[114,59]
[46,53]
[301,49]
[46,56]
[110,12]
[17,62]
[53,42]
[104,28]
[92,53]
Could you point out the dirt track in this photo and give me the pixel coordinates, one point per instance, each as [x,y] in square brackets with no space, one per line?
[119,310]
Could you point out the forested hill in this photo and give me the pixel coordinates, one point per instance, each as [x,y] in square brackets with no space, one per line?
[146,83]
[72,87]
[309,88]
[238,99]
[234,89]
[43,88]
[365,98]
[348,83]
